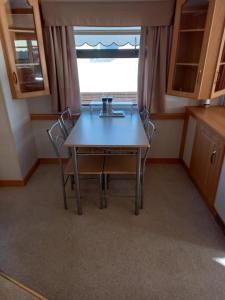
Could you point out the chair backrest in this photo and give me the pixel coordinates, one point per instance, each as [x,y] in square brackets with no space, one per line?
[67,121]
[57,137]
[144,114]
[150,129]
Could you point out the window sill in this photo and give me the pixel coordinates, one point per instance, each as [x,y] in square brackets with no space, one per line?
[120,105]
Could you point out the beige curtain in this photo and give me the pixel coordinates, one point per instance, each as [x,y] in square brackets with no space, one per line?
[153,67]
[62,68]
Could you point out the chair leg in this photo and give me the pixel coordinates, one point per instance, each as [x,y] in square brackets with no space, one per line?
[107,181]
[64,192]
[101,181]
[105,189]
[72,182]
[142,191]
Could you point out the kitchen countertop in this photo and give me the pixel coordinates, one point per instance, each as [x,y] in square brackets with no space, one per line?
[213,116]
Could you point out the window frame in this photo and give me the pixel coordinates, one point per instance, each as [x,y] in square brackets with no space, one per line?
[108,53]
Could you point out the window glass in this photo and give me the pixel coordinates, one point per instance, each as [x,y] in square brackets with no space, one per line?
[107,62]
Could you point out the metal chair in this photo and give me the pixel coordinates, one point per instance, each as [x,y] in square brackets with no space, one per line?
[126,165]
[86,165]
[67,121]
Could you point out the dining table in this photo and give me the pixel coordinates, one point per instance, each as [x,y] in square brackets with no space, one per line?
[93,131]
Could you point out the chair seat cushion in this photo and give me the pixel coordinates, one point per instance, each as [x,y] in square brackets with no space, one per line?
[120,164]
[86,165]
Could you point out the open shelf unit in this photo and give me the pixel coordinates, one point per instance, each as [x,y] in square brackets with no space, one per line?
[190,32]
[197,66]
[220,78]
[23,48]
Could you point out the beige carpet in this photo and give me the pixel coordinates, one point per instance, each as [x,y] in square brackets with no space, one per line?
[173,250]
[13,290]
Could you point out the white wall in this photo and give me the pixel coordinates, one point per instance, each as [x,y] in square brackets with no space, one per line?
[17,122]
[166,142]
[43,146]
[40,105]
[9,164]
[167,139]
[25,141]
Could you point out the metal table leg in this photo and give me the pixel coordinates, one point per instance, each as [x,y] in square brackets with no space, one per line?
[142,190]
[138,177]
[76,179]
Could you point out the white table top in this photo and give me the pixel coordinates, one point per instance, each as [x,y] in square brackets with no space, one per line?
[93,131]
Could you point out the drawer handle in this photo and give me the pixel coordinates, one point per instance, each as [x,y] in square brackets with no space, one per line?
[15,77]
[213,156]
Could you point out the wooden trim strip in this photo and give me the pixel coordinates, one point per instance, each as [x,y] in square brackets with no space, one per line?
[54,160]
[50,160]
[164,160]
[48,117]
[168,116]
[44,117]
[31,171]
[153,160]
[22,182]
[163,116]
[20,285]
[16,183]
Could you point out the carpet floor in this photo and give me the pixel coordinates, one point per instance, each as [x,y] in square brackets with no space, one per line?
[173,250]
[13,290]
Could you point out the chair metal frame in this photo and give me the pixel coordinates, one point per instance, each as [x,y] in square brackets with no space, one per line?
[57,142]
[150,129]
[66,117]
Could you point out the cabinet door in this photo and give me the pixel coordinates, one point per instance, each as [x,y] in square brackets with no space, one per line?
[216,160]
[189,141]
[191,21]
[23,48]
[206,161]
[200,161]
[218,87]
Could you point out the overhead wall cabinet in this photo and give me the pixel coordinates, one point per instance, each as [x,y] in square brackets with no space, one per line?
[23,47]
[197,67]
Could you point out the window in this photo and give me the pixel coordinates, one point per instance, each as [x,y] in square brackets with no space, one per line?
[107,62]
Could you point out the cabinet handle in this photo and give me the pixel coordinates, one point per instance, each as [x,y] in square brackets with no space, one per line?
[213,155]
[15,78]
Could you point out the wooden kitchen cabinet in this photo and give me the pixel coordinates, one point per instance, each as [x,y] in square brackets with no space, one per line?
[22,41]
[206,161]
[218,88]
[197,66]
[204,148]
